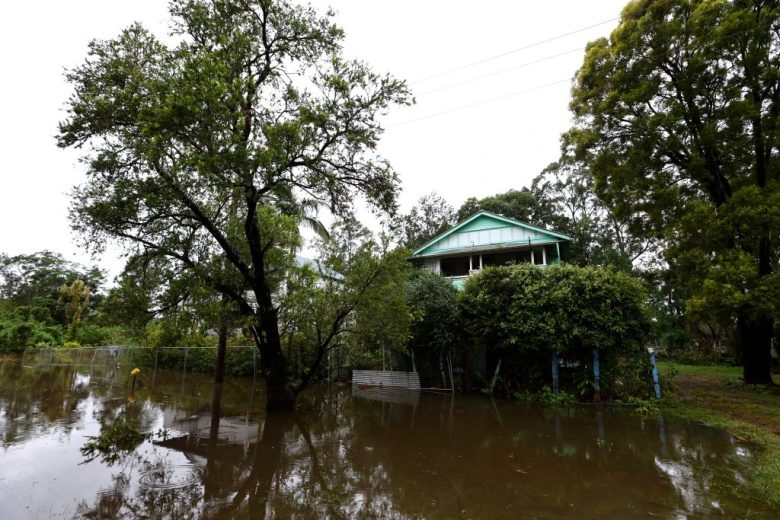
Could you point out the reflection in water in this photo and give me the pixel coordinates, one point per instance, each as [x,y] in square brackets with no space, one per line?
[213,453]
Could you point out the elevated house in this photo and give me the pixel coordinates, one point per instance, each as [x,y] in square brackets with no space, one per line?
[485,239]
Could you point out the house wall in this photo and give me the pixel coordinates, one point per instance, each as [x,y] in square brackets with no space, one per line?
[484,233]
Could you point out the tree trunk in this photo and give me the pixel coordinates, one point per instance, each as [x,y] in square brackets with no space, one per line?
[279,393]
[219,374]
[755,337]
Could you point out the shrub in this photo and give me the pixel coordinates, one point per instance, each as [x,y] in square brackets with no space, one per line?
[17,334]
[97,335]
[436,323]
[523,313]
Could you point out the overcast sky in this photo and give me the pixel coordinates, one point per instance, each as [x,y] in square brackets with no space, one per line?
[435,145]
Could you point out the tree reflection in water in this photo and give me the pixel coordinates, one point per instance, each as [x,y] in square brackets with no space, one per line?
[218,455]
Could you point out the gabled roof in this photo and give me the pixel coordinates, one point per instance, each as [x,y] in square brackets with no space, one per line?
[495,221]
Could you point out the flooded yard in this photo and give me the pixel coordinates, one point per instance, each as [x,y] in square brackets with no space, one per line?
[368,455]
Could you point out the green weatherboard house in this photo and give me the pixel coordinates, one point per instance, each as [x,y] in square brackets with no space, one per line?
[486,239]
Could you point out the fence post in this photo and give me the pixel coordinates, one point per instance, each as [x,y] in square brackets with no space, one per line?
[555,372]
[656,382]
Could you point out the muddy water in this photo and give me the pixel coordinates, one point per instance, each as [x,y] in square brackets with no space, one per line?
[371,455]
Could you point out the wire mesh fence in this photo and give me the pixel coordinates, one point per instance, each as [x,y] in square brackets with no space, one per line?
[239,359]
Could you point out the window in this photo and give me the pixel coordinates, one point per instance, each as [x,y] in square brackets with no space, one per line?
[457,266]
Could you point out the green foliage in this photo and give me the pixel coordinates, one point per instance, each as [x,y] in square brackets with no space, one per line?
[599,236]
[643,406]
[204,148]
[436,324]
[96,335]
[43,299]
[519,205]
[33,280]
[349,306]
[675,117]
[71,344]
[628,377]
[571,310]
[75,298]
[433,304]
[430,217]
[239,360]
[545,396]
[521,313]
[23,327]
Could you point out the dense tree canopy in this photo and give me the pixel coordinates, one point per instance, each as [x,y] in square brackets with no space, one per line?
[252,110]
[34,279]
[42,295]
[520,205]
[676,118]
[436,325]
[568,309]
[430,217]
[347,307]
[599,237]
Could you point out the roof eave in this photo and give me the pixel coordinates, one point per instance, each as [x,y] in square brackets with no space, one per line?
[418,252]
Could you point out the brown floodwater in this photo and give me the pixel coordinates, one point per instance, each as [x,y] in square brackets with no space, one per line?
[347,454]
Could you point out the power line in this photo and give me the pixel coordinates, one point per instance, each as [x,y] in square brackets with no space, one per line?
[520,66]
[513,51]
[540,87]
[483,102]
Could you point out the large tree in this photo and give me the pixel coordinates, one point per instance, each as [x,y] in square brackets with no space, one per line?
[599,237]
[429,218]
[250,109]
[520,205]
[676,117]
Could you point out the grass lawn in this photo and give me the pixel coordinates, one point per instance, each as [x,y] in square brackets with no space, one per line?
[716,396]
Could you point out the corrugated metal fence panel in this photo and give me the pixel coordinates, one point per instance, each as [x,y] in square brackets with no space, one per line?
[388,394]
[386,378]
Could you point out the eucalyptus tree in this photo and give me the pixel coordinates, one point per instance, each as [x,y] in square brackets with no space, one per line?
[676,116]
[599,236]
[248,106]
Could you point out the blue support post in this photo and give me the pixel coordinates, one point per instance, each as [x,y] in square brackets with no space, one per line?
[596,374]
[555,372]
[656,382]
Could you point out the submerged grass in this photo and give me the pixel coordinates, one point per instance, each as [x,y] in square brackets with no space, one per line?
[714,395]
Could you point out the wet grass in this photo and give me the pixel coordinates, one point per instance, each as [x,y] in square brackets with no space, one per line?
[715,395]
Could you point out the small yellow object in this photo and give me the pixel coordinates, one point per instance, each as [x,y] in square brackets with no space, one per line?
[135,371]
